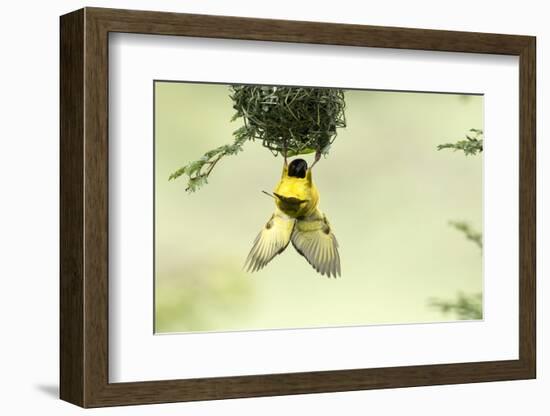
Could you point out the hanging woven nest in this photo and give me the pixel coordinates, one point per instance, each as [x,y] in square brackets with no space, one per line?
[298,119]
[286,120]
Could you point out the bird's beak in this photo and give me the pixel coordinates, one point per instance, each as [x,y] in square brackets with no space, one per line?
[290,200]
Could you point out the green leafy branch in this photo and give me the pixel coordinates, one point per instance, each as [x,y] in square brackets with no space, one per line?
[199,170]
[464,306]
[470,234]
[471,146]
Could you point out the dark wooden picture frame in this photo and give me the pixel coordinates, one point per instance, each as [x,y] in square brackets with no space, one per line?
[84,207]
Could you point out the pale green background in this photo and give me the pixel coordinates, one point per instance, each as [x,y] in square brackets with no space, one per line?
[387,191]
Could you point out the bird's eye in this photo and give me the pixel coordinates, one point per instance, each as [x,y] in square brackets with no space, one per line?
[297,168]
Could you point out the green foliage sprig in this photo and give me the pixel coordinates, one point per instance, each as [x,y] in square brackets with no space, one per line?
[199,170]
[471,146]
[286,120]
[470,234]
[464,306]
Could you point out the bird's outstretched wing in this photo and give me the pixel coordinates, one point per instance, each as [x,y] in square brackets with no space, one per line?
[272,240]
[313,238]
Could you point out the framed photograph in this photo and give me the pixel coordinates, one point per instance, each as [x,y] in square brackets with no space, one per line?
[255,207]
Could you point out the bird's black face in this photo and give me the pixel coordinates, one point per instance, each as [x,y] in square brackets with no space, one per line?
[297,168]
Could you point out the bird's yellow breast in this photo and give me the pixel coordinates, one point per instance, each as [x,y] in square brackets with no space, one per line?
[297,189]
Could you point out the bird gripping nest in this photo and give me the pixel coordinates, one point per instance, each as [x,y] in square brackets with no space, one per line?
[288,121]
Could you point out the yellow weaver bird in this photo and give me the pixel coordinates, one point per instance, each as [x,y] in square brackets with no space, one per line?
[297,218]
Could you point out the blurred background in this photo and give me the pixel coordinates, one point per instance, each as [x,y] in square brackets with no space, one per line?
[386,189]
